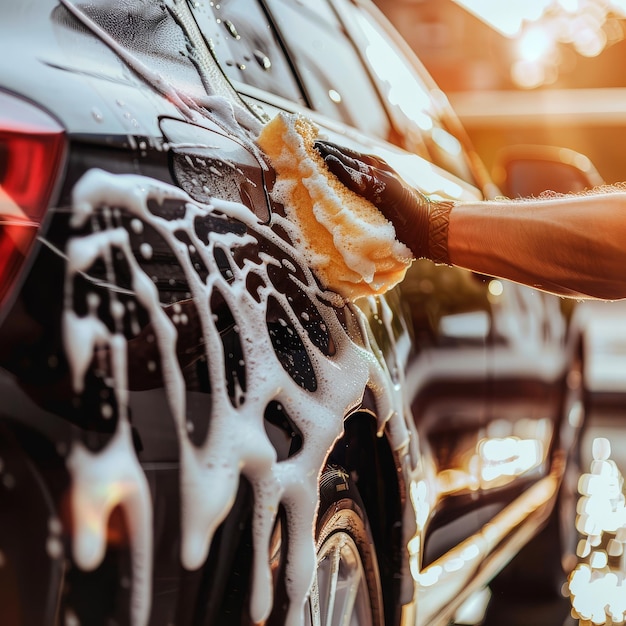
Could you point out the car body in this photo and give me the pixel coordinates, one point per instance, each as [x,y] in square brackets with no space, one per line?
[193,429]
[606,355]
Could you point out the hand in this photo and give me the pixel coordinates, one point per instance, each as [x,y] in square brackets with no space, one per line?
[373,179]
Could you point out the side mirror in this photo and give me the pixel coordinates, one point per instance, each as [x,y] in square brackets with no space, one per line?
[528,170]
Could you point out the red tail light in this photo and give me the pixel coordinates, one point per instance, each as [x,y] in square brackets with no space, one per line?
[31,152]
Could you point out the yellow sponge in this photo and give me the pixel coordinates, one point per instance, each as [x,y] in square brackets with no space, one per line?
[350,245]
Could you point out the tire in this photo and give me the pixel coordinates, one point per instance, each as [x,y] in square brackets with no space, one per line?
[31,543]
[347,587]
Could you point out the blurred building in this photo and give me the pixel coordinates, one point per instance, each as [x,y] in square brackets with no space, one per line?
[459,50]
[535,87]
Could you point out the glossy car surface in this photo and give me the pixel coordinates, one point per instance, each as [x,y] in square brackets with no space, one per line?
[193,430]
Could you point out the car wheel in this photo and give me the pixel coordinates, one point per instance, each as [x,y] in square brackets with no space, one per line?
[346,589]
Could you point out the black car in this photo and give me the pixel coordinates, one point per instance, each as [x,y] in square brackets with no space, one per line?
[193,430]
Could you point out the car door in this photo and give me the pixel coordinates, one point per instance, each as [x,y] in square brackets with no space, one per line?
[450,311]
[449,314]
[147,280]
[528,360]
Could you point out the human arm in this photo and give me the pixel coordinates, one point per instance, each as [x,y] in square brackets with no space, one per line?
[572,245]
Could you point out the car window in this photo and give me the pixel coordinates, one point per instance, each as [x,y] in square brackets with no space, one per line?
[334,77]
[246,46]
[146,33]
[413,104]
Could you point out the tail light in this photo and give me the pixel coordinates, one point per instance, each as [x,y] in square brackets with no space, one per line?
[31,153]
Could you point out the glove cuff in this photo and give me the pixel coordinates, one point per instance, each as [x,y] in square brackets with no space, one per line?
[439,219]
[419,230]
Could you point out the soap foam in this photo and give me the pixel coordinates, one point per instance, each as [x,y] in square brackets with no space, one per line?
[237,443]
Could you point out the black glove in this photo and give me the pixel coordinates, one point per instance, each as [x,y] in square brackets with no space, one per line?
[373,179]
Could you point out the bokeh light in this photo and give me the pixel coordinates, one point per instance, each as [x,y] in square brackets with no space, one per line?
[541,27]
[597,586]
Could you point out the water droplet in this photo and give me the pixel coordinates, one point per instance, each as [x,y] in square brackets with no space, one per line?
[54,524]
[335,96]
[146,251]
[71,619]
[117,309]
[230,27]
[263,60]
[54,548]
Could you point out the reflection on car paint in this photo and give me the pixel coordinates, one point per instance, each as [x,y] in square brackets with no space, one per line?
[237,442]
[251,376]
[597,586]
[217,463]
[507,458]
[452,573]
[496,462]
[193,104]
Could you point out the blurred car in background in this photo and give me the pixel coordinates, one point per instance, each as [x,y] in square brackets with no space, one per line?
[192,429]
[605,369]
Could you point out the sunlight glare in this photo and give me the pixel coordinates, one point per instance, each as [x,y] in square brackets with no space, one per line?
[506,17]
[535,44]
[571,6]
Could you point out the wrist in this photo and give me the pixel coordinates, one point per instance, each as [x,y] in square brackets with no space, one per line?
[419,231]
[438,226]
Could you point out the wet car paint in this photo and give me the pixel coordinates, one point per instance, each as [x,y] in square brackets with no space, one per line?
[172,287]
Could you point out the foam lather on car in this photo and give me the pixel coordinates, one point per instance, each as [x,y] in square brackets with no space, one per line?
[351,246]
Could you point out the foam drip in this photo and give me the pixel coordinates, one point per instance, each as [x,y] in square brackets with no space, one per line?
[237,443]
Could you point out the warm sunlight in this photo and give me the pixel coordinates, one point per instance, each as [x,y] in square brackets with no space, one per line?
[506,17]
[539,27]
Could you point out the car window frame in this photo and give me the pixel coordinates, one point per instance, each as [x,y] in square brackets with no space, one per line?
[444,114]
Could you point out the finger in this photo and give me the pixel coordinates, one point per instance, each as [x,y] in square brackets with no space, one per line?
[347,161]
[340,152]
[348,156]
[359,179]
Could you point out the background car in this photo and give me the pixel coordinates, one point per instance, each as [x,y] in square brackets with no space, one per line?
[193,429]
